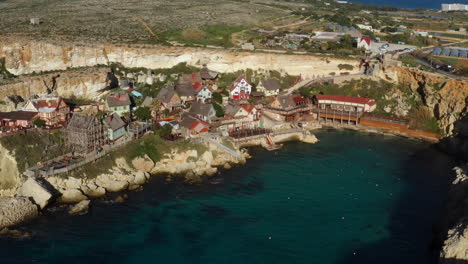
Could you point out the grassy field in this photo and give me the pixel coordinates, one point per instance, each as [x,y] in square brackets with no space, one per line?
[451,61]
[129,22]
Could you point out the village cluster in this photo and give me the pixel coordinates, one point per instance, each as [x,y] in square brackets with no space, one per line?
[187,106]
[187,109]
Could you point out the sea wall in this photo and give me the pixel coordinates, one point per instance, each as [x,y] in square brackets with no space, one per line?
[24,57]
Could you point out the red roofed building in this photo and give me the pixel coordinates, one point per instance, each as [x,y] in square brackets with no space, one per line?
[240,89]
[345,103]
[364,42]
[53,110]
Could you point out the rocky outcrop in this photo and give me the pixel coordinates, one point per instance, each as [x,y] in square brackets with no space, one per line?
[447,99]
[14,211]
[37,191]
[144,164]
[23,57]
[72,196]
[80,208]
[9,179]
[84,83]
[455,245]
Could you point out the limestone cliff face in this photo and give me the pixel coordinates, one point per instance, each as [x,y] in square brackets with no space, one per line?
[81,83]
[446,98]
[9,174]
[23,57]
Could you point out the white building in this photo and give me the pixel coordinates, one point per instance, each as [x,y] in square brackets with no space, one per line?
[454,7]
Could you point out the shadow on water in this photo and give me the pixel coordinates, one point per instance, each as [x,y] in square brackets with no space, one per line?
[408,229]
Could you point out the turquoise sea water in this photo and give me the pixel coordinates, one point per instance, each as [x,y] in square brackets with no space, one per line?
[351,198]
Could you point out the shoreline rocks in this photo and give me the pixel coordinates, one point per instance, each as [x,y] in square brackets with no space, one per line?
[17,210]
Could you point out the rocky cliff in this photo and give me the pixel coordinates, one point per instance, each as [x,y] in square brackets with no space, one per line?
[24,57]
[84,83]
[446,98]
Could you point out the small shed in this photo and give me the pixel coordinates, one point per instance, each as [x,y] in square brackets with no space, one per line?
[35,21]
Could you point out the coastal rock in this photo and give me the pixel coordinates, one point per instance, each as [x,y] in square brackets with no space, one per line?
[72,196]
[227,166]
[140,178]
[113,185]
[455,249]
[38,192]
[92,190]
[14,211]
[144,164]
[13,233]
[80,208]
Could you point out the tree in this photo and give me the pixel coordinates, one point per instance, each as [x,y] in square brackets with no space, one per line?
[218,98]
[143,113]
[165,130]
[219,110]
[39,123]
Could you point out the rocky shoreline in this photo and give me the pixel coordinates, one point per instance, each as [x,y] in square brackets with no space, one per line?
[36,194]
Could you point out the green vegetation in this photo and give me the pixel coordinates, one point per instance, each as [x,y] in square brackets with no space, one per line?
[348,67]
[215,35]
[421,118]
[219,109]
[77,101]
[451,61]
[33,147]
[143,113]
[39,123]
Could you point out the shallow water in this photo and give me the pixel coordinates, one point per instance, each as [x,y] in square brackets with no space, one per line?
[430,4]
[351,198]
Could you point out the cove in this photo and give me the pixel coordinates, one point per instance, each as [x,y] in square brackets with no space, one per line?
[351,198]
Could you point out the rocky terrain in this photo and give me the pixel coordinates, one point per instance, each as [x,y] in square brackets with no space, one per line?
[446,98]
[25,57]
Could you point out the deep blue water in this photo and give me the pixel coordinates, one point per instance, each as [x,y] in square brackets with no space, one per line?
[351,198]
[430,4]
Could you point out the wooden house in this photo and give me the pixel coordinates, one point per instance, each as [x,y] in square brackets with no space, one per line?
[240,89]
[344,103]
[269,87]
[204,94]
[86,134]
[202,111]
[53,110]
[190,125]
[169,99]
[17,119]
[185,91]
[115,127]
[118,103]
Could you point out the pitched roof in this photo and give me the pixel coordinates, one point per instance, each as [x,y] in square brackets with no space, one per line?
[200,109]
[147,102]
[118,99]
[248,107]
[299,99]
[46,105]
[367,39]
[114,121]
[346,99]
[232,109]
[79,121]
[286,101]
[184,89]
[271,84]
[165,94]
[237,81]
[207,74]
[191,77]
[18,115]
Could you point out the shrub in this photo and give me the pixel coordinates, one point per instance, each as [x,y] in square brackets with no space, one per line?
[348,67]
[143,113]
[39,123]
[193,34]
[219,109]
